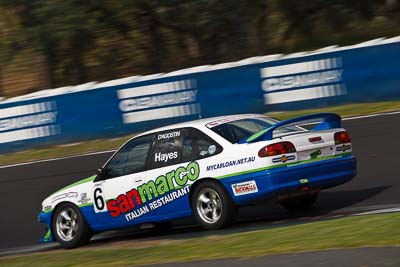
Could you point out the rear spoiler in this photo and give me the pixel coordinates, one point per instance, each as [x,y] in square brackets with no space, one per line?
[329,121]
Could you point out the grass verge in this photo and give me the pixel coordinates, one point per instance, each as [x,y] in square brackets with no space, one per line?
[113,143]
[63,150]
[349,110]
[350,232]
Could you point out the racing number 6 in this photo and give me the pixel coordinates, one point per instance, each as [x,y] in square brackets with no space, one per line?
[99,203]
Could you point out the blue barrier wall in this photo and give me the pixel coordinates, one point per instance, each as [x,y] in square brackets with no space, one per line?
[368,72]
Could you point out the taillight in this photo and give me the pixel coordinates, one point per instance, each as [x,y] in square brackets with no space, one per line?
[276,149]
[342,138]
[314,139]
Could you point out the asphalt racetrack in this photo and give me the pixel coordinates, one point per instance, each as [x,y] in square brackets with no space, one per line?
[376,144]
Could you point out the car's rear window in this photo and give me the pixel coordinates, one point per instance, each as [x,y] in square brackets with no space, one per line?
[235,131]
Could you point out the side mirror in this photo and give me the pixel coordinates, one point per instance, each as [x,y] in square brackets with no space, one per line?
[101,174]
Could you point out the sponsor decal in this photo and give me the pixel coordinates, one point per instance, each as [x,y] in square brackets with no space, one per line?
[303,181]
[230,163]
[212,149]
[164,189]
[47,208]
[245,188]
[47,236]
[203,153]
[165,157]
[28,122]
[315,154]
[169,135]
[83,199]
[303,80]
[159,101]
[65,195]
[343,148]
[229,119]
[283,158]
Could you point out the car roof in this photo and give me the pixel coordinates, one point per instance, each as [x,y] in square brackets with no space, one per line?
[200,123]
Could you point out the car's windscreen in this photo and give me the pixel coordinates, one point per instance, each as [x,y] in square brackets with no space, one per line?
[235,131]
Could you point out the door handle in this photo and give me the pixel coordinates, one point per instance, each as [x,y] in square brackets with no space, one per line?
[137,180]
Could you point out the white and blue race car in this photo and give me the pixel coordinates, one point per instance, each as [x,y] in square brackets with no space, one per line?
[206,169]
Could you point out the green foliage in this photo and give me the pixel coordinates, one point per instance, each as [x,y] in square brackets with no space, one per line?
[73,42]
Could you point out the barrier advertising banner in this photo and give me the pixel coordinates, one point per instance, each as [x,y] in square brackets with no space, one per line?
[360,73]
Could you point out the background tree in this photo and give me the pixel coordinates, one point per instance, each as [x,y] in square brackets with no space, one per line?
[59,43]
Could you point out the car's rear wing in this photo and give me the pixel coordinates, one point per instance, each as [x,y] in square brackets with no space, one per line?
[328,121]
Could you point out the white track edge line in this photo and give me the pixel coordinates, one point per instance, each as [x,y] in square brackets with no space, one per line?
[371,115]
[380,211]
[110,151]
[58,158]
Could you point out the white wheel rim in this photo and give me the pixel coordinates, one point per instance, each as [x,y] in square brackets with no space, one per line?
[209,205]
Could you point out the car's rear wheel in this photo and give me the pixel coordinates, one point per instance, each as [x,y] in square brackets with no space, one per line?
[69,227]
[300,203]
[212,206]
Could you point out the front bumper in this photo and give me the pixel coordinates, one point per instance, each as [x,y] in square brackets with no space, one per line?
[45,217]
[285,180]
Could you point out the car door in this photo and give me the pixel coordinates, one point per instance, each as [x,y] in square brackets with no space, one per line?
[115,196]
[164,160]
[173,167]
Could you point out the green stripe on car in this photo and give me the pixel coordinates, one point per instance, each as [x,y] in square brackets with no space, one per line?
[84,181]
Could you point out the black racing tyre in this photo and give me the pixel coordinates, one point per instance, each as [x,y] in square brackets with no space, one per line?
[69,227]
[212,206]
[301,203]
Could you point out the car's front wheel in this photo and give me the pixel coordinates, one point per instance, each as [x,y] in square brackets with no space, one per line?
[69,227]
[212,206]
[301,203]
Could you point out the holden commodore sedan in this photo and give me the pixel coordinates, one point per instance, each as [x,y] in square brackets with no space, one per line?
[207,169]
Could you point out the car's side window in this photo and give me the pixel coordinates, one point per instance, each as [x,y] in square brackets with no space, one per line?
[131,158]
[239,133]
[225,131]
[167,148]
[197,145]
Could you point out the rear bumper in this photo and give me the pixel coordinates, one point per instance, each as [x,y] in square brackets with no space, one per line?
[316,175]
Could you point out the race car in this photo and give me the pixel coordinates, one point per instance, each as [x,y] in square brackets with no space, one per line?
[207,169]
